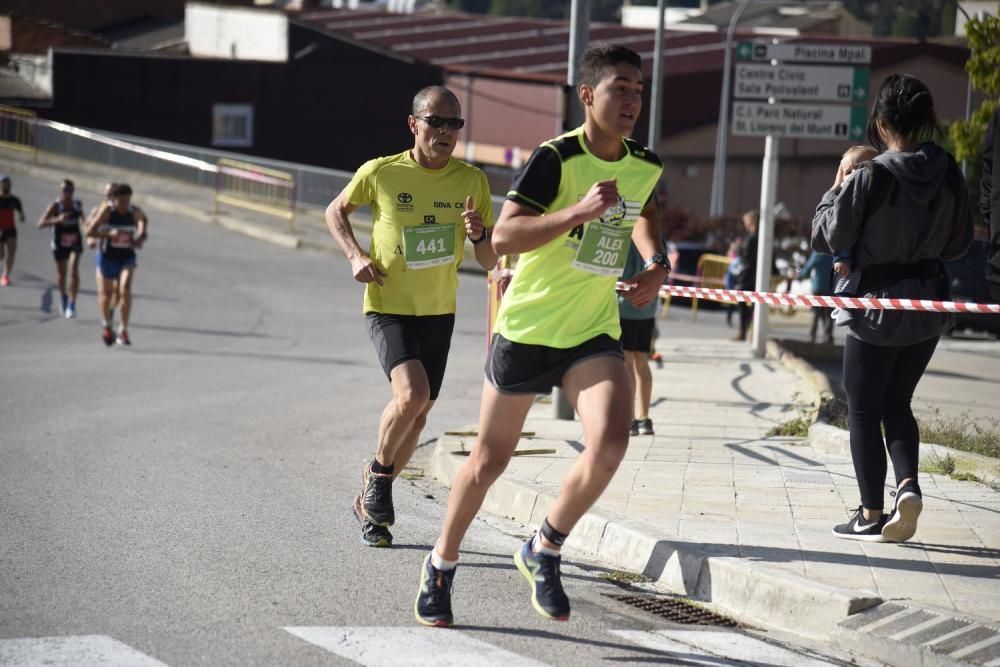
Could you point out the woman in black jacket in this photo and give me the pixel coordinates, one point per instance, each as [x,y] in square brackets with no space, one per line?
[899,217]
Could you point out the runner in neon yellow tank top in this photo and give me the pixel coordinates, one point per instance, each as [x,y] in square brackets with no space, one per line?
[570,215]
[576,271]
[424,205]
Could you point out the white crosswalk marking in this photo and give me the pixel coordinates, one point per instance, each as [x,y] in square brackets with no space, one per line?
[78,651]
[412,647]
[718,643]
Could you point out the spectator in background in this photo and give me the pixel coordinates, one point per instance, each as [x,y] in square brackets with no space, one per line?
[732,271]
[637,344]
[989,204]
[900,217]
[819,267]
[746,279]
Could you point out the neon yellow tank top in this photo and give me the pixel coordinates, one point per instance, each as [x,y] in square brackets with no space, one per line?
[562,293]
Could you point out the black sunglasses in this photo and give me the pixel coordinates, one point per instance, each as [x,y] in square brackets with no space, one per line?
[437,122]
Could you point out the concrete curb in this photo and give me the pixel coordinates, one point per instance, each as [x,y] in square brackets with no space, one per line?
[751,593]
[899,634]
[828,438]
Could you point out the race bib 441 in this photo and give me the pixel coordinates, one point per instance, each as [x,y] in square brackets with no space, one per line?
[429,245]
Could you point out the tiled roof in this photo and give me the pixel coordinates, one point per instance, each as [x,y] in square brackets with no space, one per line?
[524,46]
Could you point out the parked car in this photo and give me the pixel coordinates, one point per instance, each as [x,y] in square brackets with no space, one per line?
[968,283]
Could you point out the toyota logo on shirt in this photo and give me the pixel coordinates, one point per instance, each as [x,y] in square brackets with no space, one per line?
[404,202]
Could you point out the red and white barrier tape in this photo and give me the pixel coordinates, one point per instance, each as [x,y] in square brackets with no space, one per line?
[804,300]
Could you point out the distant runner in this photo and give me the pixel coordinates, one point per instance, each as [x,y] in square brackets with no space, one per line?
[8,232]
[63,217]
[121,230]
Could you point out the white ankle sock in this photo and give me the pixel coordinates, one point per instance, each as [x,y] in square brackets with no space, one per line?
[440,563]
[539,548]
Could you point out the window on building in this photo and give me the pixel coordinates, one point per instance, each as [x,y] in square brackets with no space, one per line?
[232,125]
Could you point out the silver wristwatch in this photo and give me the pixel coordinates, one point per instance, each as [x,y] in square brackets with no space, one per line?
[658,258]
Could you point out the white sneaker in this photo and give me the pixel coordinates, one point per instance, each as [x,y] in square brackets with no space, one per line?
[902,522]
[70,312]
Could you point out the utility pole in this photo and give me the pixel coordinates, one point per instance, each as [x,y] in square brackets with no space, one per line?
[579,35]
[656,91]
[717,205]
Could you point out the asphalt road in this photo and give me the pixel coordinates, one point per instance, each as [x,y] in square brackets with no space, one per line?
[185,501]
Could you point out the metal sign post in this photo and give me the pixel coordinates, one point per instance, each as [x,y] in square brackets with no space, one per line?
[765,241]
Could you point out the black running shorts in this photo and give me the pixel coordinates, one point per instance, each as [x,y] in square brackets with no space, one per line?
[62,254]
[520,368]
[637,335]
[426,338]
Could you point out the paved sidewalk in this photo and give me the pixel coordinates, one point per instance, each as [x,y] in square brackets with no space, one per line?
[711,507]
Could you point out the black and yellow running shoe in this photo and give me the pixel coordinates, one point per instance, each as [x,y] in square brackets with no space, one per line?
[433,604]
[372,534]
[542,573]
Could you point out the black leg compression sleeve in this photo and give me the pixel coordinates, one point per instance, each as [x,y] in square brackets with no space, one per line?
[551,534]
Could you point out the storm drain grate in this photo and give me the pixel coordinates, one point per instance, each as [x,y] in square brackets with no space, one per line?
[674,610]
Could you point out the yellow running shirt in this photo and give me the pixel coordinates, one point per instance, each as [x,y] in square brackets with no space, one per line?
[418,236]
[563,293]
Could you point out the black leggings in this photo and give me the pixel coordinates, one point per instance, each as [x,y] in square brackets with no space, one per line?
[879,382]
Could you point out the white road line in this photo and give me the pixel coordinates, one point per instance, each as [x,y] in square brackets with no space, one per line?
[413,647]
[77,651]
[721,643]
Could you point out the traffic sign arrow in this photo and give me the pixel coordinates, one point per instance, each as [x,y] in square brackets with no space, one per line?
[799,121]
[801,82]
[805,52]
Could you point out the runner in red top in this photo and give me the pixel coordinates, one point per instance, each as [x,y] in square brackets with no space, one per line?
[8,232]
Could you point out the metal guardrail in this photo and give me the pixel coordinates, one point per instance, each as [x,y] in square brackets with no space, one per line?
[315,187]
[17,129]
[247,185]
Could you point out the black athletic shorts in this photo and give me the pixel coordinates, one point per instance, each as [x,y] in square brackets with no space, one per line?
[7,234]
[637,335]
[520,368]
[426,338]
[60,254]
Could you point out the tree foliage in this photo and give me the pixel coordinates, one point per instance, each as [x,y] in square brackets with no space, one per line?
[906,18]
[984,70]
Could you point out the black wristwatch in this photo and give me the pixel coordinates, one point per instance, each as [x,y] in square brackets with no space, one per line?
[485,235]
[658,258]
